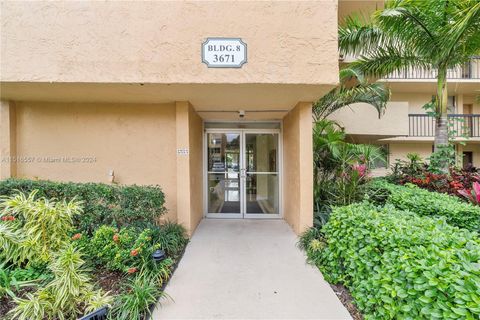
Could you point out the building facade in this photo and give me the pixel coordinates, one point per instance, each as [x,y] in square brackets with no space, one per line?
[210,100]
[406,127]
[133,94]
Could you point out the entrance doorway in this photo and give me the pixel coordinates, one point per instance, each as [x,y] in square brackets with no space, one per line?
[242,173]
[467,159]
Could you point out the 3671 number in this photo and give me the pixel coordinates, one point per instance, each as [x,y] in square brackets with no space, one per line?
[223,58]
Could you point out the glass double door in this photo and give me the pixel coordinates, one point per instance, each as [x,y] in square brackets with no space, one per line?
[242,174]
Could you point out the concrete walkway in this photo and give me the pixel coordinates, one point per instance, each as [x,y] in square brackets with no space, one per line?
[247,269]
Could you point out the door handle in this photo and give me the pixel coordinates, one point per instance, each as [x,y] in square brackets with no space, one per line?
[243,173]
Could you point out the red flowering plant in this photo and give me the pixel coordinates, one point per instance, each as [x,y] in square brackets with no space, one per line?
[473,194]
[415,173]
[76,236]
[121,249]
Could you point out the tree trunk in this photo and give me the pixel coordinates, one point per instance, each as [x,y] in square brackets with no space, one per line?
[441,129]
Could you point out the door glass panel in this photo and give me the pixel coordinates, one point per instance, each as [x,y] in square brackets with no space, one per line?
[261,183]
[262,193]
[261,152]
[223,172]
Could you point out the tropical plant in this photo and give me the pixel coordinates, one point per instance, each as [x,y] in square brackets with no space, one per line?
[10,240]
[38,226]
[398,265]
[473,195]
[128,249]
[115,205]
[415,34]
[413,167]
[340,168]
[170,237]
[141,293]
[9,283]
[426,203]
[353,88]
[65,295]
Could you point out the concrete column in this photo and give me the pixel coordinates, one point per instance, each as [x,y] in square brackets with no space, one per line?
[7,140]
[459,103]
[298,167]
[189,166]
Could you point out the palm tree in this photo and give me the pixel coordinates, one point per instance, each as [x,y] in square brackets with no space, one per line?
[416,34]
[353,88]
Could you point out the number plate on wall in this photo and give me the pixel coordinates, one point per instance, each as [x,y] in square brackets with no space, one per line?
[224,52]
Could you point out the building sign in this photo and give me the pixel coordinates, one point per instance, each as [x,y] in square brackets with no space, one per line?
[224,52]
[182,152]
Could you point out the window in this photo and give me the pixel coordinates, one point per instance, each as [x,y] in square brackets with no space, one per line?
[379,163]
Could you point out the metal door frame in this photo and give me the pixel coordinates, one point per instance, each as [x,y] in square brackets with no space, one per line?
[242,187]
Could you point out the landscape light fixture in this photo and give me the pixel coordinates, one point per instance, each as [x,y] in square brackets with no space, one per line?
[158,255]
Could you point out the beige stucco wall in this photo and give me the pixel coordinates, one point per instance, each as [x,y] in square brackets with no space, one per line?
[189,170]
[298,167]
[159,41]
[196,168]
[138,142]
[362,119]
[400,150]
[7,139]
[475,149]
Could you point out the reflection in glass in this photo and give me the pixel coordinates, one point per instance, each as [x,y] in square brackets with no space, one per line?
[261,152]
[258,181]
[223,172]
[262,179]
[262,193]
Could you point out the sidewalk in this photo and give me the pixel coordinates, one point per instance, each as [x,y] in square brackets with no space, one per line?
[247,269]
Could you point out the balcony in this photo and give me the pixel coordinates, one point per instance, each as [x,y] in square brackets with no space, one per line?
[470,70]
[460,125]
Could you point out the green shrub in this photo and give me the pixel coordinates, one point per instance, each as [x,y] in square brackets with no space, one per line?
[398,265]
[32,228]
[426,203]
[66,295]
[136,206]
[126,249]
[140,293]
[13,280]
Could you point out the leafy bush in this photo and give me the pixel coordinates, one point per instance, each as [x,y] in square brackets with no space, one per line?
[473,194]
[426,203]
[35,227]
[398,265]
[128,250]
[416,172]
[340,168]
[65,295]
[135,206]
[11,281]
[141,292]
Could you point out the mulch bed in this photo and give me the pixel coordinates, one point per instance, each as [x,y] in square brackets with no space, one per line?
[109,280]
[6,303]
[346,298]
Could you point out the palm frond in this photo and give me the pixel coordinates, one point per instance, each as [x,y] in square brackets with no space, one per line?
[375,94]
[464,32]
[387,60]
[409,28]
[358,36]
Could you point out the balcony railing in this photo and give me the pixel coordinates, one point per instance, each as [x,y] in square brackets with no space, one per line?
[459,125]
[470,70]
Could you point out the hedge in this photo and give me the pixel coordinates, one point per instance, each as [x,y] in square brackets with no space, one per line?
[116,205]
[426,203]
[398,265]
